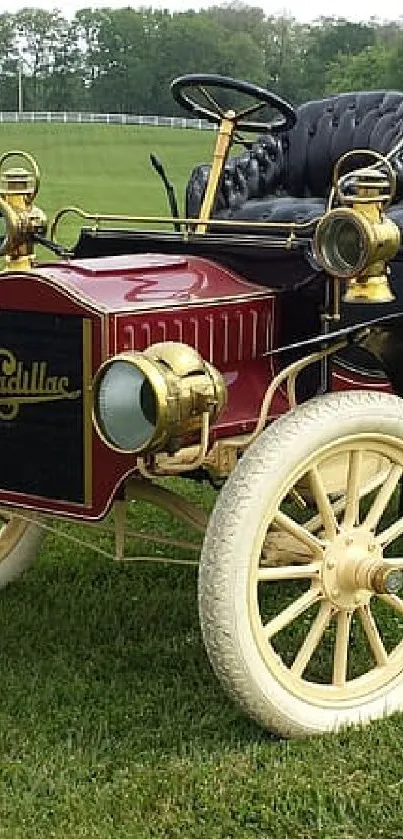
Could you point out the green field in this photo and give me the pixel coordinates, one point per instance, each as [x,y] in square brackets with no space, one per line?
[111,722]
[106,168]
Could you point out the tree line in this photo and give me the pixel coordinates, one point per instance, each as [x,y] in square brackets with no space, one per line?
[122,60]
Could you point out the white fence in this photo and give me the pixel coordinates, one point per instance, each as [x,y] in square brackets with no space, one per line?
[106,119]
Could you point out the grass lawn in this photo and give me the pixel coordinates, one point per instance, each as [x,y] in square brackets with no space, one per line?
[106,168]
[111,721]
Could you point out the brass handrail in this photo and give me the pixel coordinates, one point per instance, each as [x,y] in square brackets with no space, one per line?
[190,225]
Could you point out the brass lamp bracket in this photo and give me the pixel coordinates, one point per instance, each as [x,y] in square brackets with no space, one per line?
[374,182]
[222,457]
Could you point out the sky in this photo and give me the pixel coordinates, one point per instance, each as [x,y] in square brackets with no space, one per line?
[303,10]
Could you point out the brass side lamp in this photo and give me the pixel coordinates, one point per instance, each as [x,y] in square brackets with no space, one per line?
[20,218]
[355,240]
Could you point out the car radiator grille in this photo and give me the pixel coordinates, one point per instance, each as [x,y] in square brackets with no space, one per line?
[43,405]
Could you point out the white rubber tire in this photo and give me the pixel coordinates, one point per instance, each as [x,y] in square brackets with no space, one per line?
[19,545]
[226,557]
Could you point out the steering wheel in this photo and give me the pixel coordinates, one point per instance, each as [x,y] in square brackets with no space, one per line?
[215,113]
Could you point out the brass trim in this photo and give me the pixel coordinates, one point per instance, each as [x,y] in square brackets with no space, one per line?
[105,336]
[193,225]
[87,410]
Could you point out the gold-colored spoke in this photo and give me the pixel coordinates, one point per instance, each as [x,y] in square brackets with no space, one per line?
[384,495]
[211,101]
[374,639]
[312,640]
[257,106]
[323,502]
[288,572]
[395,602]
[340,660]
[292,612]
[315,523]
[351,514]
[299,532]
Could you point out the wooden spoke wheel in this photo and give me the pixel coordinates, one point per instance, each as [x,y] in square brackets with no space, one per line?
[299,590]
[19,545]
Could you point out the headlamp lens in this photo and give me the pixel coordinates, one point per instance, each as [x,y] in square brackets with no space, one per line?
[126,408]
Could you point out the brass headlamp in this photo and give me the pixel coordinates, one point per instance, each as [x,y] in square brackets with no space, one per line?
[19,216]
[355,242]
[153,400]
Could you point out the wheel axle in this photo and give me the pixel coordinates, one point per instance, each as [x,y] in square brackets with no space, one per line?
[354,568]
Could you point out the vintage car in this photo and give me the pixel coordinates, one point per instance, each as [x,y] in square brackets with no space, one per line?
[253,342]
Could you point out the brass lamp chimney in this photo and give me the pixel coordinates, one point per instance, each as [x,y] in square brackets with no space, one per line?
[20,218]
[355,242]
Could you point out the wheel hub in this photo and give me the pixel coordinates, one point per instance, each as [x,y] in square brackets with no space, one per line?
[354,568]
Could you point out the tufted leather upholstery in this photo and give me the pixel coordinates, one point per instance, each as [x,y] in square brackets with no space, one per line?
[287,177]
[328,128]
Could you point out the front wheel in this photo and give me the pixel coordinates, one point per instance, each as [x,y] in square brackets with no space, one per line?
[301,565]
[20,539]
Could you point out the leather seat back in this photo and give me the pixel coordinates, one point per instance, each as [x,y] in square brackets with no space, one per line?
[327,128]
[299,163]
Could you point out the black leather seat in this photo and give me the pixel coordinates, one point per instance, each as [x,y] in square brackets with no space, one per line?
[287,177]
